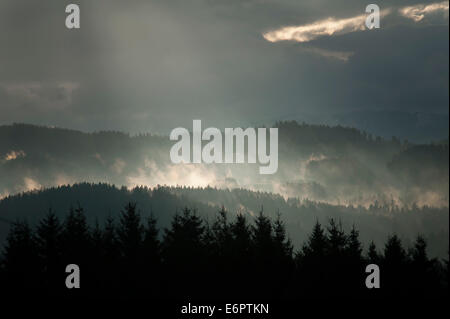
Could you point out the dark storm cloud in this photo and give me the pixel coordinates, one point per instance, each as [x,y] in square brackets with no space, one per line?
[152,65]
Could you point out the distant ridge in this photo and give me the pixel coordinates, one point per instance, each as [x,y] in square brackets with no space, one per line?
[101,201]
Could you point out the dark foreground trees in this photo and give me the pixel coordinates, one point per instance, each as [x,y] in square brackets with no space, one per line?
[223,259]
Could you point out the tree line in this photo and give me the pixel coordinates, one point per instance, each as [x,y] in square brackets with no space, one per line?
[239,258]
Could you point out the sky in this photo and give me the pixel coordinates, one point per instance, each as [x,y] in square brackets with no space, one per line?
[151,66]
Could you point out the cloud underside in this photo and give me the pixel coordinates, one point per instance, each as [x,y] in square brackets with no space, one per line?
[342,56]
[418,12]
[332,26]
[327,27]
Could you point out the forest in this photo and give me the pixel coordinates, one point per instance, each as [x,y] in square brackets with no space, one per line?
[237,258]
[330,164]
[341,199]
[101,201]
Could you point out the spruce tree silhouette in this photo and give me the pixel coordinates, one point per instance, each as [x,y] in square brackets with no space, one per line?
[219,243]
[373,257]
[50,252]
[110,243]
[130,232]
[445,271]
[21,268]
[239,259]
[97,239]
[419,252]
[337,239]
[184,255]
[424,270]
[95,262]
[282,256]
[354,265]
[111,264]
[151,254]
[75,237]
[394,263]
[336,276]
[130,237]
[311,264]
[242,241]
[242,258]
[354,247]
[317,244]
[221,234]
[76,246]
[283,244]
[262,237]
[151,243]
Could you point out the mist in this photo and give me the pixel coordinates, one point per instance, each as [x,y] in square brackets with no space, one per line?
[334,165]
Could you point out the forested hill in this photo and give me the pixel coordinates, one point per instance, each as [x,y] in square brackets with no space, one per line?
[322,163]
[100,201]
[381,185]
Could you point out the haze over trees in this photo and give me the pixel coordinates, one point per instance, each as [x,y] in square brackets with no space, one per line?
[336,165]
[100,201]
[340,197]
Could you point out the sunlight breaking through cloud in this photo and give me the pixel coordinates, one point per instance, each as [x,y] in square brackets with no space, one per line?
[332,26]
[31,184]
[308,32]
[418,12]
[326,27]
[12,155]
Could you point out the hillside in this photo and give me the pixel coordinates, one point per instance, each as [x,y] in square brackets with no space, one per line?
[101,201]
[336,165]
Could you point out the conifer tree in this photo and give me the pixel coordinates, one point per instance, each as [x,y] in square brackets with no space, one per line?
[372,254]
[354,247]
[75,238]
[337,239]
[49,249]
[184,252]
[130,237]
[130,232]
[262,235]
[311,263]
[353,271]
[282,243]
[394,253]
[21,262]
[419,252]
[317,243]
[424,270]
[151,243]
[110,242]
[394,264]
[241,234]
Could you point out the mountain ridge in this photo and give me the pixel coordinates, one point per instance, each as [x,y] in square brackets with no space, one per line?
[101,201]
